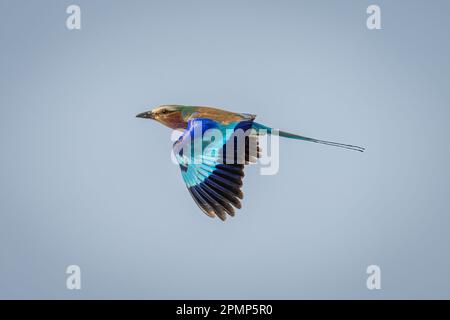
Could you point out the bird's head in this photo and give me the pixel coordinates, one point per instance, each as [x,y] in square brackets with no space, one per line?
[172,116]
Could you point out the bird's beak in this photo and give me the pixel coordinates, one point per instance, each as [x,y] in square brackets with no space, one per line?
[146,115]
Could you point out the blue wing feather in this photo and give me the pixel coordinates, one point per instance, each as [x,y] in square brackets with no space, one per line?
[214,185]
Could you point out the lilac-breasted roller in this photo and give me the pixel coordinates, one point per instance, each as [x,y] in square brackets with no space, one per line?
[213,179]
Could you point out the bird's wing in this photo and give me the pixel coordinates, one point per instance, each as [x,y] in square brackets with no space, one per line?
[214,185]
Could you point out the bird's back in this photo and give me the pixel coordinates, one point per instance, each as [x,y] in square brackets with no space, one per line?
[219,115]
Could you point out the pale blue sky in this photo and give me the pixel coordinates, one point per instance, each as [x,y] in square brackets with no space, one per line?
[84,182]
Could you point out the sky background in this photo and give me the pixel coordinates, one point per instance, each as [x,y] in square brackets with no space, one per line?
[82,181]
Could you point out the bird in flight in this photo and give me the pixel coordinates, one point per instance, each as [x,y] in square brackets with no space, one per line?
[213,173]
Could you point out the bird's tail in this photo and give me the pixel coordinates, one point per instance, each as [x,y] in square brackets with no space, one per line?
[284,134]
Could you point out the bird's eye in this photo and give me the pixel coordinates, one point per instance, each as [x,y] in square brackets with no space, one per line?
[164,111]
